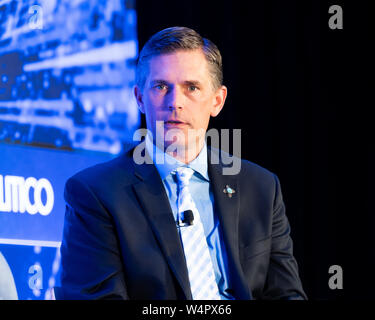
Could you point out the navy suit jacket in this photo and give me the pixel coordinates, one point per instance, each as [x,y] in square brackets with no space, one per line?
[120,240]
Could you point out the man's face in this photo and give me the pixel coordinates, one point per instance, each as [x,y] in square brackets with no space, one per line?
[179,91]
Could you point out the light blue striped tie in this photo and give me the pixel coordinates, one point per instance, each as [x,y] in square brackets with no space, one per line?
[198,259]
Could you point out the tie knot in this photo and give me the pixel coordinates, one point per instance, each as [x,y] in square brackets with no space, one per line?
[183,175]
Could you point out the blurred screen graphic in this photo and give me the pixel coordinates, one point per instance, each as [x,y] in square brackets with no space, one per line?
[67,69]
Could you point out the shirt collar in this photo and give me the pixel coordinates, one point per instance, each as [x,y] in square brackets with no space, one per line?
[165,163]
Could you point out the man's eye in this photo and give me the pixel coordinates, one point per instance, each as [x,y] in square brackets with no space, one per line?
[161,86]
[193,88]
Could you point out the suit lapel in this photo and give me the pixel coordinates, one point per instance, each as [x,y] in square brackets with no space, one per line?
[155,203]
[228,208]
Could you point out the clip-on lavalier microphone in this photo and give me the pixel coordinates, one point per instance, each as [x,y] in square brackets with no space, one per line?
[187,220]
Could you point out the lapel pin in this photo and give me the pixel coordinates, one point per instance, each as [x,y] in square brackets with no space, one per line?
[229,191]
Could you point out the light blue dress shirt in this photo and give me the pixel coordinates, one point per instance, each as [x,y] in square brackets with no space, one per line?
[199,187]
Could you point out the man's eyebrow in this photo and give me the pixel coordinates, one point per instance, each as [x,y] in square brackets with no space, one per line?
[158,81]
[186,82]
[192,83]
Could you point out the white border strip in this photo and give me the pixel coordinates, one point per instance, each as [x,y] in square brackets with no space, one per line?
[34,243]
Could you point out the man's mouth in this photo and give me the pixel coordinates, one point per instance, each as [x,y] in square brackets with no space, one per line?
[174,122]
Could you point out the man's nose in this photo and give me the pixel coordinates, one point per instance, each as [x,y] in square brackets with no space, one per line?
[175,99]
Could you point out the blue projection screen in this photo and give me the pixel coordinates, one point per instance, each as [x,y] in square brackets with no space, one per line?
[67,69]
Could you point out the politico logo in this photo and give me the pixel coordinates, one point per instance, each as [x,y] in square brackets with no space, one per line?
[18,194]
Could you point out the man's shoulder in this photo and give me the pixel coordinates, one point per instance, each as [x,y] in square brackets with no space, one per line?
[251,177]
[119,168]
[246,168]
[256,170]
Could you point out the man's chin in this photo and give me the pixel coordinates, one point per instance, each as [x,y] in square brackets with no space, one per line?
[174,146]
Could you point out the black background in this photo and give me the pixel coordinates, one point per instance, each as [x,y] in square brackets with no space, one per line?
[300,94]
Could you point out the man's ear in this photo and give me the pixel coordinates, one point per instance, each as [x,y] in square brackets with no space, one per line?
[219,100]
[139,97]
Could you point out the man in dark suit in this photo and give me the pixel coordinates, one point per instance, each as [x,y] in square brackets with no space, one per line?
[165,220]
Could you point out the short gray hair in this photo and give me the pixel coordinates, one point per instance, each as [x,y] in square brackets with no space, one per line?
[179,38]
